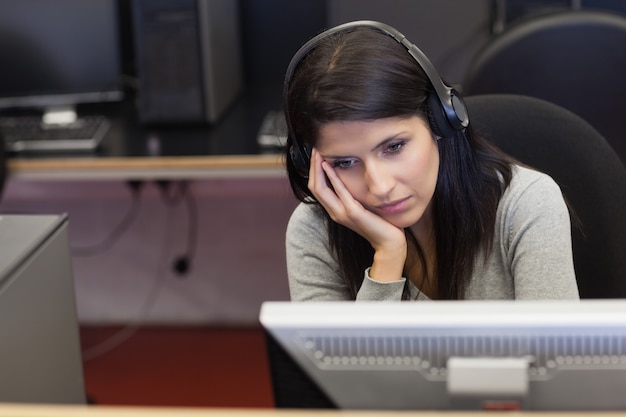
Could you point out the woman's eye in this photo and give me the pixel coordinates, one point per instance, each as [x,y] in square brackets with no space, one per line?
[395,147]
[343,163]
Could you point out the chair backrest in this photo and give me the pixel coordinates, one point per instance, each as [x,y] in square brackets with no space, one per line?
[576,59]
[3,166]
[592,178]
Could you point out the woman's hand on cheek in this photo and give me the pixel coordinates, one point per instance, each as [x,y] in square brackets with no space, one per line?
[344,209]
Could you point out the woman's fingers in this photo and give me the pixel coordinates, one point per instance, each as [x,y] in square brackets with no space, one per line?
[350,206]
[318,184]
[330,191]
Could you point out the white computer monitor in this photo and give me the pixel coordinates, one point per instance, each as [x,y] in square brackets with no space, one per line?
[446,355]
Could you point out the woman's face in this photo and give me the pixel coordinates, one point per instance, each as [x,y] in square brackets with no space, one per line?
[389,165]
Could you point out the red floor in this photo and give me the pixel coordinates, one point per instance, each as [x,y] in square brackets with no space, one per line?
[178,366]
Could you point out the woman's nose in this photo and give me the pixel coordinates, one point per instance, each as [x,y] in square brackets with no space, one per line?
[379,180]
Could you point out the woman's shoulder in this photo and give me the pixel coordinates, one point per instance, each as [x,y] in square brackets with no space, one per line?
[526,177]
[307,215]
[530,185]
[307,227]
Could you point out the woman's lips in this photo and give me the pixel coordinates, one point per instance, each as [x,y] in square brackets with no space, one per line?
[393,207]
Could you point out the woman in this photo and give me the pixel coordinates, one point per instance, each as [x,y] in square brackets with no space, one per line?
[401,199]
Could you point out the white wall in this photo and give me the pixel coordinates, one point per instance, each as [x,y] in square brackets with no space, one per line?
[239,260]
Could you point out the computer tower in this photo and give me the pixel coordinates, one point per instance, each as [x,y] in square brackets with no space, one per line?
[188,59]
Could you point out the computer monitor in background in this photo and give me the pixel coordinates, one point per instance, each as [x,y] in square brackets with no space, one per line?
[444,355]
[40,356]
[59,53]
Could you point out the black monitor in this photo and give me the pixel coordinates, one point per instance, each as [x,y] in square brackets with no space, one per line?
[60,53]
[448,355]
[40,356]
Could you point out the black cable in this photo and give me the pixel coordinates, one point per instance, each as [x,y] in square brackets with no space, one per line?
[169,197]
[182,192]
[183,263]
[118,231]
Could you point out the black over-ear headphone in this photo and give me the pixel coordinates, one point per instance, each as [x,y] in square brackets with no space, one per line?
[446,111]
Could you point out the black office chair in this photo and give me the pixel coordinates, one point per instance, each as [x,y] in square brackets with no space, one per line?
[592,178]
[576,59]
[3,166]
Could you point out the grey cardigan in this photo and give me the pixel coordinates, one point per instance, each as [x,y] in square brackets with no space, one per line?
[531,255]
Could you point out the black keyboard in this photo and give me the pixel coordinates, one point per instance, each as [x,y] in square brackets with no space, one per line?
[30,133]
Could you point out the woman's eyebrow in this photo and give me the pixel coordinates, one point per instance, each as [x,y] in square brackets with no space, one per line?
[377,146]
[387,140]
[335,157]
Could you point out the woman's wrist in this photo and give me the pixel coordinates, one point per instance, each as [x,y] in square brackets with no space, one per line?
[368,276]
[388,265]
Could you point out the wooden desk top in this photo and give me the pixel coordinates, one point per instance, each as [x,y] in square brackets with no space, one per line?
[146,168]
[22,410]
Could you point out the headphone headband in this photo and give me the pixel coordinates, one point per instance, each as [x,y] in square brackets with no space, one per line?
[449,117]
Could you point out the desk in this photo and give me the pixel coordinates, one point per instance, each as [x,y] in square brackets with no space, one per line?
[132,151]
[146,168]
[18,410]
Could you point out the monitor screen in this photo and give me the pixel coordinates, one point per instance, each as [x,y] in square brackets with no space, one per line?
[446,355]
[59,53]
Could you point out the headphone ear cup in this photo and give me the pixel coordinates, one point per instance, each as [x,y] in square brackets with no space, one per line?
[301,158]
[437,118]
